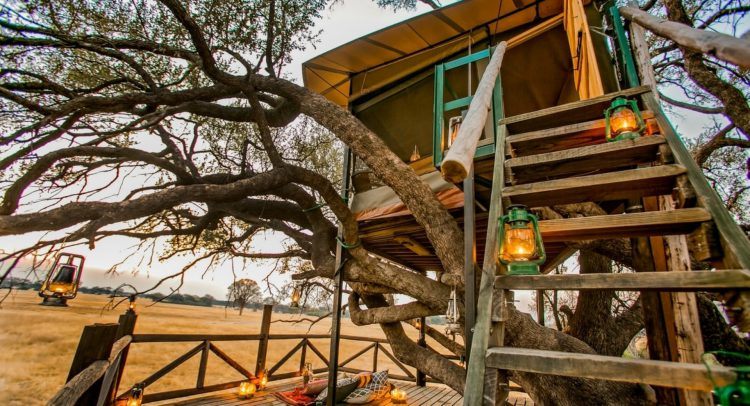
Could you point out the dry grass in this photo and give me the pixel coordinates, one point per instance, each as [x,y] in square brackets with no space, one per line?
[38,344]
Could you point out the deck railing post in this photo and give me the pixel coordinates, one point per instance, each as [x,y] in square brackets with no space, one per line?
[265,328]
[303,355]
[200,381]
[95,345]
[125,327]
[375,357]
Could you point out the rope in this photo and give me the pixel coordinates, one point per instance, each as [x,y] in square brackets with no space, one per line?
[349,246]
[316,207]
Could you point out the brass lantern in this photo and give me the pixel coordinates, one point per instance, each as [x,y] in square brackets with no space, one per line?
[307,373]
[263,380]
[131,304]
[246,390]
[521,247]
[296,296]
[623,120]
[62,280]
[135,397]
[452,327]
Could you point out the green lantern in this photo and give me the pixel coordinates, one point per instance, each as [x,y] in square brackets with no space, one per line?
[521,247]
[623,120]
[737,393]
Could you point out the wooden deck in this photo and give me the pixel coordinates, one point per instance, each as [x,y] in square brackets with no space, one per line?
[432,394]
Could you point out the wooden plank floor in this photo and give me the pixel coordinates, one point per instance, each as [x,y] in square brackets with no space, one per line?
[432,394]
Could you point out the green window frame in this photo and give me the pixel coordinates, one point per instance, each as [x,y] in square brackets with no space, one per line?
[440,107]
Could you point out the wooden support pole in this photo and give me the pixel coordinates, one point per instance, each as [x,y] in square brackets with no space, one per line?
[265,328]
[421,379]
[482,384]
[540,306]
[725,47]
[470,260]
[375,358]
[338,280]
[95,345]
[460,157]
[303,356]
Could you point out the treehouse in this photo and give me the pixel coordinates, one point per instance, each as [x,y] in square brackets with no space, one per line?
[412,84]
[519,107]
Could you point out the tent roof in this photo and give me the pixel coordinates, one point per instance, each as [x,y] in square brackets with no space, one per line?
[374,60]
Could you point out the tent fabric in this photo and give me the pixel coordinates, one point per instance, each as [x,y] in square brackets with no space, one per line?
[383,203]
[585,70]
[375,60]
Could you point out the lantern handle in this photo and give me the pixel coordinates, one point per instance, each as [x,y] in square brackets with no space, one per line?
[538,239]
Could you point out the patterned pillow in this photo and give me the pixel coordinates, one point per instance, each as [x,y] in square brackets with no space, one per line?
[361,396]
[379,383]
[344,387]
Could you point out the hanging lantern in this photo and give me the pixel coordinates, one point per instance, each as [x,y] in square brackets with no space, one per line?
[296,296]
[398,396]
[135,397]
[623,120]
[451,316]
[521,246]
[246,390]
[62,280]
[415,156]
[454,124]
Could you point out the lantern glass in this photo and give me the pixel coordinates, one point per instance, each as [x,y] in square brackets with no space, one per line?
[623,120]
[519,244]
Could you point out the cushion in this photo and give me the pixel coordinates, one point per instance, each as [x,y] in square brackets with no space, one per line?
[364,379]
[379,383]
[361,396]
[315,387]
[344,387]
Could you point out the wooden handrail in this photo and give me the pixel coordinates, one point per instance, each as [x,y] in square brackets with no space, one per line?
[460,156]
[722,46]
[72,391]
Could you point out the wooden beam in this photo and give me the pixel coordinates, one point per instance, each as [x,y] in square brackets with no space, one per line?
[95,344]
[620,185]
[663,281]
[563,137]
[600,157]
[660,373]
[460,158]
[722,46]
[179,338]
[681,221]
[570,113]
[265,328]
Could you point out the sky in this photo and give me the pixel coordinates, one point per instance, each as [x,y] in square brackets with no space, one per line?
[340,24]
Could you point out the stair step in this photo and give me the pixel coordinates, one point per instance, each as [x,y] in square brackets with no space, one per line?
[584,160]
[620,185]
[560,138]
[650,372]
[662,281]
[669,222]
[576,112]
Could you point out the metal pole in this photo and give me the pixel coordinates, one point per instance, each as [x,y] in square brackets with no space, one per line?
[338,278]
[470,259]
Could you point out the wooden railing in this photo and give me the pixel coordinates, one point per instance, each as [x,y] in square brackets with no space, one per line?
[102,352]
[207,343]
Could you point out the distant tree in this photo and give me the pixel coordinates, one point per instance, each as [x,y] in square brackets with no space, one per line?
[242,292]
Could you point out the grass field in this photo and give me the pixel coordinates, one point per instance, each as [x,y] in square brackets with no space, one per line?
[37,343]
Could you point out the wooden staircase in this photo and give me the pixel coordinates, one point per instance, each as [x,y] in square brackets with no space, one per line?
[647,188]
